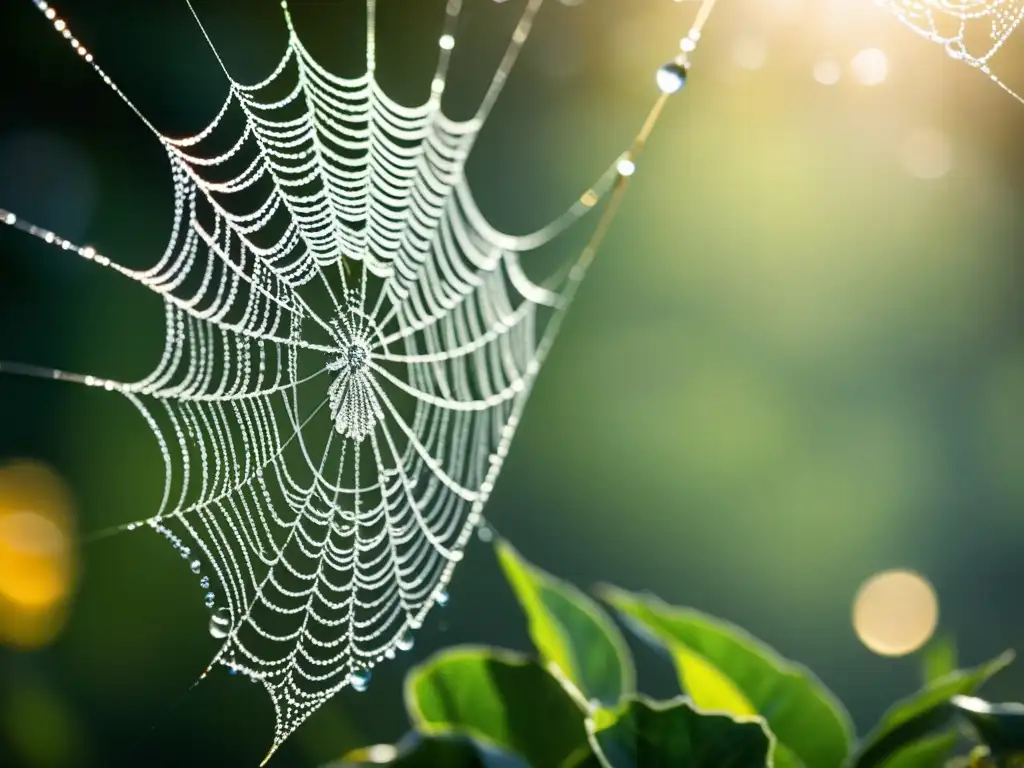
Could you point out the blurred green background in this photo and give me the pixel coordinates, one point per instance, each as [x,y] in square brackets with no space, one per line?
[798,361]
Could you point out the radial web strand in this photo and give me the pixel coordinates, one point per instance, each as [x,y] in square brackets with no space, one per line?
[349,347]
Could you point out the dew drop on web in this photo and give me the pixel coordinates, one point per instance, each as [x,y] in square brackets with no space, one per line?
[360,679]
[671,77]
[405,642]
[220,623]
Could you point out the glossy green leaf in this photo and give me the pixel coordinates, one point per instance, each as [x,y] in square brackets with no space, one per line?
[644,734]
[930,752]
[501,699]
[724,668]
[569,629]
[428,752]
[939,659]
[920,715]
[1000,727]
[416,751]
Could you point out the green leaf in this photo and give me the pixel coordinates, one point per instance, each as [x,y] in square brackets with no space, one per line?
[930,752]
[644,734]
[450,752]
[724,668]
[915,717]
[939,659]
[1000,727]
[570,630]
[501,699]
[429,752]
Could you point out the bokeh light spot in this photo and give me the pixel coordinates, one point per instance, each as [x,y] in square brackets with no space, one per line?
[382,753]
[30,546]
[36,553]
[895,612]
[870,66]
[749,53]
[927,154]
[827,71]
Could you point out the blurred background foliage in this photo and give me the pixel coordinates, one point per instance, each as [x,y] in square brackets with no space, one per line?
[798,362]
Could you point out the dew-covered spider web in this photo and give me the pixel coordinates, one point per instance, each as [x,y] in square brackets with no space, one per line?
[349,348]
[973,31]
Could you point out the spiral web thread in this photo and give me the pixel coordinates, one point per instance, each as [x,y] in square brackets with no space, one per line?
[973,31]
[349,347]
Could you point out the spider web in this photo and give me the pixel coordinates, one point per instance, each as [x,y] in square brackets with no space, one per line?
[349,347]
[973,31]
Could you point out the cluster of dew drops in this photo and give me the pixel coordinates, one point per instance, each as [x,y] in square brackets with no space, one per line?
[220,618]
[359,679]
[209,599]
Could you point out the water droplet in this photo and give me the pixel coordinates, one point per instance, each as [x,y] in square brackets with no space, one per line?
[185,552]
[232,670]
[405,642]
[208,600]
[484,532]
[220,623]
[389,653]
[441,598]
[196,566]
[360,679]
[671,77]
[626,166]
[205,582]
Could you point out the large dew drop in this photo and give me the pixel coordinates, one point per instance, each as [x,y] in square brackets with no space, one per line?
[220,623]
[671,77]
[405,641]
[360,679]
[484,532]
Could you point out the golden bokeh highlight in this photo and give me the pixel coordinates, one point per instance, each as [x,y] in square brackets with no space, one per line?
[895,612]
[870,66]
[749,53]
[827,71]
[927,154]
[37,553]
